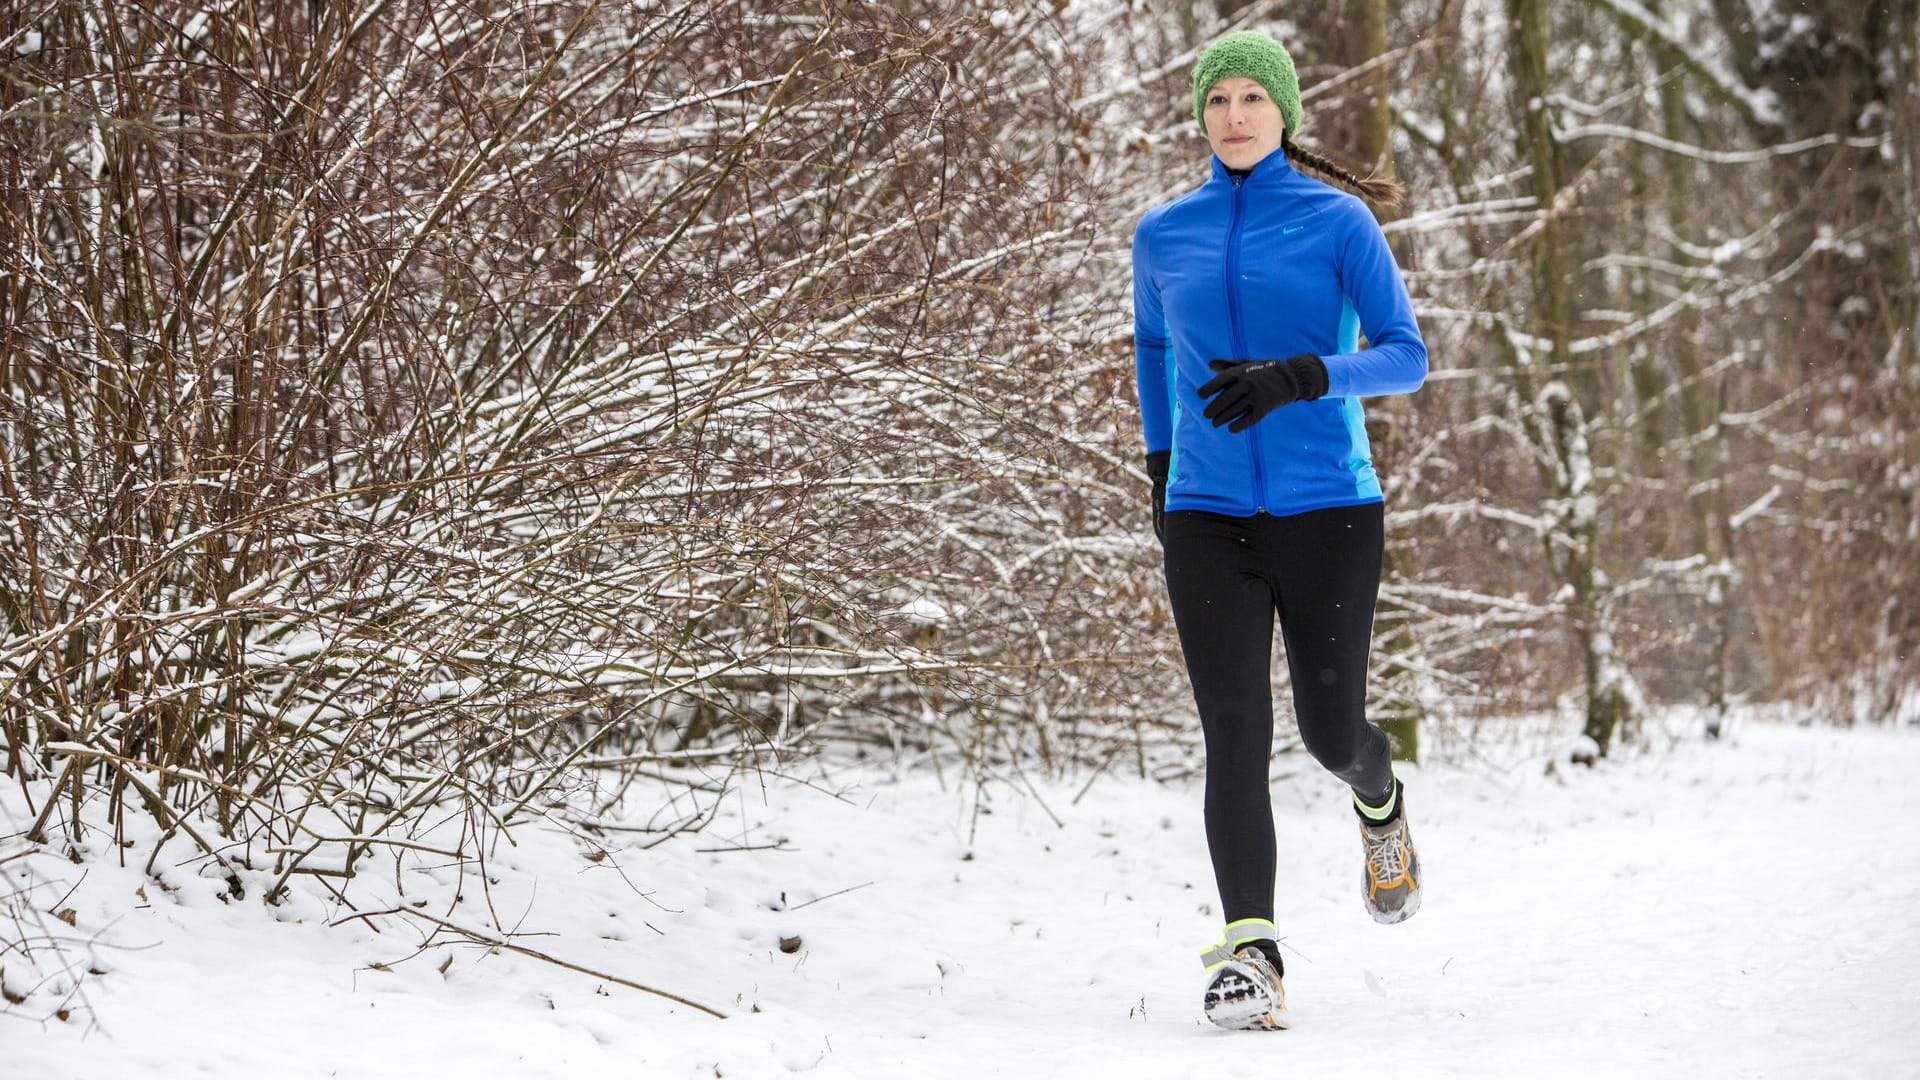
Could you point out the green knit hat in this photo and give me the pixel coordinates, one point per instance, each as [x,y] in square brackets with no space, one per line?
[1256,56]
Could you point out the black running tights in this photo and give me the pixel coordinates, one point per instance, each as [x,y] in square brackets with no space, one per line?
[1226,578]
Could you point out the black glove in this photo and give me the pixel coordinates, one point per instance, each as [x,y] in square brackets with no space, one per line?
[1250,389]
[1158,463]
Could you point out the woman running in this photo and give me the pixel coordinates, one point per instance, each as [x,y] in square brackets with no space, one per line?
[1249,293]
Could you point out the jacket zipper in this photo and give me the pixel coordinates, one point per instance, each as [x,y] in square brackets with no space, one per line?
[1239,343]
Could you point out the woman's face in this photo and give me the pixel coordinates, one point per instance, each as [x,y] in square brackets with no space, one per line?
[1243,123]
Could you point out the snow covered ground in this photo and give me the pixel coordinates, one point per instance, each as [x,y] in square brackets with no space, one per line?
[1741,908]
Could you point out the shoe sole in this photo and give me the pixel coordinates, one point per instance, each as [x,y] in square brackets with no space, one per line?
[1238,999]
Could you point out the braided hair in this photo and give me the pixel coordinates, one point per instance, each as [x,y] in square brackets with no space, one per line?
[1381,190]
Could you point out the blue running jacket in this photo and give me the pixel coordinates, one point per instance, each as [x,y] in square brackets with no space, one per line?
[1271,266]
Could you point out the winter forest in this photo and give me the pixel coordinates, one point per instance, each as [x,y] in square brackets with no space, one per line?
[421,420]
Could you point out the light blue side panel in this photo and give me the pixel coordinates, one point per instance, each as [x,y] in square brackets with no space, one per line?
[1349,326]
[1360,452]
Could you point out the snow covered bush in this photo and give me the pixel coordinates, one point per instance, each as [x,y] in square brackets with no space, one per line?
[422,405]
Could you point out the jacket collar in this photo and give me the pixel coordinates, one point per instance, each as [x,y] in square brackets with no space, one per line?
[1269,171]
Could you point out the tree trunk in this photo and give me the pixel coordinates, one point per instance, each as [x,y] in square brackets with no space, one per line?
[1558,417]
[1366,127]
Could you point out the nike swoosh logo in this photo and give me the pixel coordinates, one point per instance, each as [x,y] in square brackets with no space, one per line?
[1289,230]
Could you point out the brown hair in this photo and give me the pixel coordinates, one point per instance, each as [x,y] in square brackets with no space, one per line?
[1381,190]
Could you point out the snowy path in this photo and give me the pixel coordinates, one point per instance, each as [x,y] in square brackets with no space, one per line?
[1709,910]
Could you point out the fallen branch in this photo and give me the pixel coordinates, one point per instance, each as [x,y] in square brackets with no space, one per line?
[488,939]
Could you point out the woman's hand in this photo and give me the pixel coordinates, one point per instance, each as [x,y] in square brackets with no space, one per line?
[1250,389]
[1159,463]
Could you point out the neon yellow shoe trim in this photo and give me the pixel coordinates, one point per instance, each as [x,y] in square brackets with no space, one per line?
[1239,932]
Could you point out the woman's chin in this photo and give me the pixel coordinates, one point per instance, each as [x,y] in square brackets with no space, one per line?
[1240,157]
